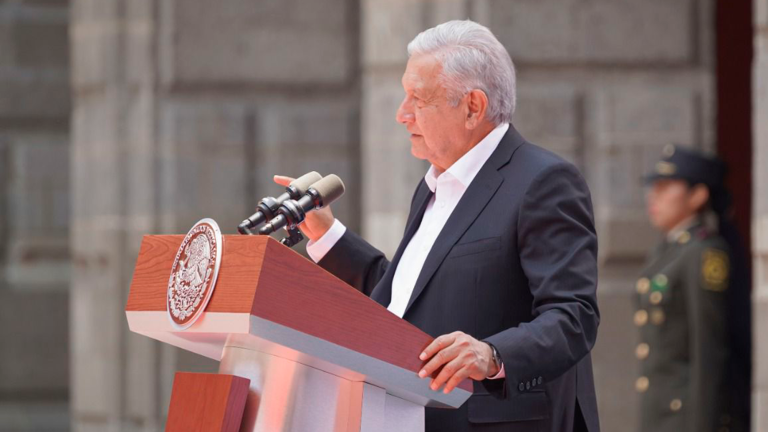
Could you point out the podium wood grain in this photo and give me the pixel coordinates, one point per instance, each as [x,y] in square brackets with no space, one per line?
[261,277]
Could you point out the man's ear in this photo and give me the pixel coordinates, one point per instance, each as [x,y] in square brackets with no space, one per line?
[698,197]
[477,105]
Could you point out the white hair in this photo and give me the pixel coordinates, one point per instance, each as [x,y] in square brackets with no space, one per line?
[472,58]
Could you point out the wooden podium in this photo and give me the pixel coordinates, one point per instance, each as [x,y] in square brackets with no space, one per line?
[320,355]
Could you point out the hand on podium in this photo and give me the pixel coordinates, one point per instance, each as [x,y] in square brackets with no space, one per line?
[317,222]
[461,356]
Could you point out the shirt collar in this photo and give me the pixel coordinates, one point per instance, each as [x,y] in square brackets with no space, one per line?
[681,228]
[466,168]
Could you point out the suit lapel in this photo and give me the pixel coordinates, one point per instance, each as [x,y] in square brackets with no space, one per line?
[382,293]
[420,201]
[475,198]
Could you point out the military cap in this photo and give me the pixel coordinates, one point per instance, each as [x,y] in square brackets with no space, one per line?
[684,163]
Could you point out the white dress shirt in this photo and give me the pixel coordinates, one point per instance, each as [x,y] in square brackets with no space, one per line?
[447,188]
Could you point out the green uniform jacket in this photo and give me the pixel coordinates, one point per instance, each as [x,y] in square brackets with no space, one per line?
[681,314]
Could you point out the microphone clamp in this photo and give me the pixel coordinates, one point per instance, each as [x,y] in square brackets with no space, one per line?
[293,212]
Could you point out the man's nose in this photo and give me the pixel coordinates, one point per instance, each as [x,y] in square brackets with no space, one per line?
[404,112]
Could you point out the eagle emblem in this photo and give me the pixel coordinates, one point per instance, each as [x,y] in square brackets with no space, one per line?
[194,272]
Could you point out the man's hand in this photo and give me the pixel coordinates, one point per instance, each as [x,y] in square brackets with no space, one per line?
[463,357]
[317,222]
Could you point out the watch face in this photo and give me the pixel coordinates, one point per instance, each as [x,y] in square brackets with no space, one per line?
[496,357]
[496,360]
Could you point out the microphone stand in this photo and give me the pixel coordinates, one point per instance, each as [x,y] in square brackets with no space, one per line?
[244,231]
[294,237]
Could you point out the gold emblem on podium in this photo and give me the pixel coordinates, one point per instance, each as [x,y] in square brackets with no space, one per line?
[194,272]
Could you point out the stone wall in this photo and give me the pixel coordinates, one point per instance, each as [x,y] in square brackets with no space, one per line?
[34,208]
[184,110]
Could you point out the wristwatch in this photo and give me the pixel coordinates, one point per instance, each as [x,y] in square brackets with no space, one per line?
[496,357]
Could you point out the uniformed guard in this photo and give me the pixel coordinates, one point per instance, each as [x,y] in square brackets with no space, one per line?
[685,350]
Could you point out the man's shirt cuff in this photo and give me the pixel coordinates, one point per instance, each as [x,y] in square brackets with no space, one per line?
[499,375]
[317,249]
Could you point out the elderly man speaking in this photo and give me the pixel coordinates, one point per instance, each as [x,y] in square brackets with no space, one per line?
[498,260]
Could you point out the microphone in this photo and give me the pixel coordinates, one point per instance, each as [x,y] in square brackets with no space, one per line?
[267,207]
[291,213]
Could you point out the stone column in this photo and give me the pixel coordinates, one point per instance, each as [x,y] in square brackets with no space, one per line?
[34,214]
[184,110]
[390,173]
[760,218]
[117,379]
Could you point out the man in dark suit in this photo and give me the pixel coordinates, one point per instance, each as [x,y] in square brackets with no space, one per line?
[498,260]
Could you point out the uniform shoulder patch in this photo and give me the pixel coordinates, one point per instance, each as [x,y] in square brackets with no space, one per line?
[715,268]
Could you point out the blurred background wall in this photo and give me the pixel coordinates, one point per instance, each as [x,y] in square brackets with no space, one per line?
[35,263]
[120,118]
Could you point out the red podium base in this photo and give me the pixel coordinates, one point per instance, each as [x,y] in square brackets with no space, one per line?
[207,403]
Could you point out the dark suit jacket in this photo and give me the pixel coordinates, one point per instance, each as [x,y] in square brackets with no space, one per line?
[515,265]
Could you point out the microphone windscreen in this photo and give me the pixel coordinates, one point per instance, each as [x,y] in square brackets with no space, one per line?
[330,188]
[303,183]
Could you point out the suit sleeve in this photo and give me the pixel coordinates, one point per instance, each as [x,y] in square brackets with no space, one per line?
[356,262]
[558,252]
[706,284]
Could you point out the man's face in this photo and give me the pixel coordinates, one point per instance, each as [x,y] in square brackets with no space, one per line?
[438,131]
[670,202]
